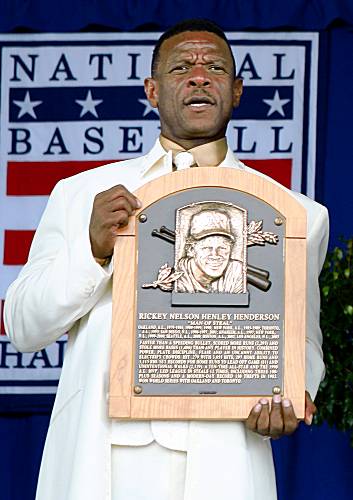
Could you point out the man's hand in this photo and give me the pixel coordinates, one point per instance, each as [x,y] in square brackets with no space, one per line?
[280,420]
[111,210]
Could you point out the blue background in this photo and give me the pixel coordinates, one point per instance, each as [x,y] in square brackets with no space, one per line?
[316,462]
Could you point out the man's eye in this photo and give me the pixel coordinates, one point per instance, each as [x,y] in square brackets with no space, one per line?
[179,69]
[217,68]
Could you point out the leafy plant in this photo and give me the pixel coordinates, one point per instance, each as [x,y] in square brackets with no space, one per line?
[335,396]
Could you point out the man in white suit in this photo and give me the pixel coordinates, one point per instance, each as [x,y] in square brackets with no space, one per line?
[66,286]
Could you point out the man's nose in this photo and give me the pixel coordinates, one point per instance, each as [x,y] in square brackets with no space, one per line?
[199,77]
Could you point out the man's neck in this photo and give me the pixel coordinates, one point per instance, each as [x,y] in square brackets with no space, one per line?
[187,144]
[209,154]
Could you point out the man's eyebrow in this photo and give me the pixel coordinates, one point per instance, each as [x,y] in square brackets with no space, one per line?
[185,59]
[177,60]
[216,57]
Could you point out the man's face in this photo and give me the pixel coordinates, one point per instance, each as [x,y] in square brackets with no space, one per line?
[212,254]
[194,87]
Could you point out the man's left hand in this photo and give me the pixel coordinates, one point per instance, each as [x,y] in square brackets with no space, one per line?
[279,420]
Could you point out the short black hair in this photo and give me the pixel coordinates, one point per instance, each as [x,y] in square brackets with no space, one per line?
[188,25]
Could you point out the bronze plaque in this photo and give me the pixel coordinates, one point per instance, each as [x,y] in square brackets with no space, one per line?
[210,295]
[212,302]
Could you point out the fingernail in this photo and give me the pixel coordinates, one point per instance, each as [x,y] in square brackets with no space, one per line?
[286,403]
[309,420]
[257,408]
[263,401]
[277,398]
[138,203]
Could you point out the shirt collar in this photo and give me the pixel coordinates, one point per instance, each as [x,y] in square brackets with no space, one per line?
[160,160]
[210,154]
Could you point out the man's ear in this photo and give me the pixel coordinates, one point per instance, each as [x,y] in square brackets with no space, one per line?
[237,91]
[151,91]
[190,251]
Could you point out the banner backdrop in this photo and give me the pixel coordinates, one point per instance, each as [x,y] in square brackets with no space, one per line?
[73,102]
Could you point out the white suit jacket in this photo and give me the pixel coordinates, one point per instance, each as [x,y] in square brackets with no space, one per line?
[62,288]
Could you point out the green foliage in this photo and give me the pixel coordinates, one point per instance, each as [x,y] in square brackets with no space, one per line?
[335,396]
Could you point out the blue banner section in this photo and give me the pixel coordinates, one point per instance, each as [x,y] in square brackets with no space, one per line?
[128,103]
[14,404]
[75,15]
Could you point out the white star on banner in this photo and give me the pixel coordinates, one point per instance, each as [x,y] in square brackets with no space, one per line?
[276,104]
[89,105]
[148,107]
[27,106]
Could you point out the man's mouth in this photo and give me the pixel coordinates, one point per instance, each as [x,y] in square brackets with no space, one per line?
[198,104]
[215,264]
[199,101]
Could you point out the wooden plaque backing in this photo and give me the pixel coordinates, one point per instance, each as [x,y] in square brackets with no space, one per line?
[123,403]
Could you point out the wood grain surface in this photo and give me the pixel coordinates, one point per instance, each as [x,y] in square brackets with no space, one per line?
[123,402]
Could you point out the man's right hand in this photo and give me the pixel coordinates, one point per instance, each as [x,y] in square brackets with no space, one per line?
[111,210]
